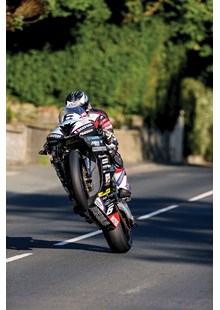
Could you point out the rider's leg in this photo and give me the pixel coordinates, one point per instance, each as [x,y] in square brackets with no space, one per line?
[121,178]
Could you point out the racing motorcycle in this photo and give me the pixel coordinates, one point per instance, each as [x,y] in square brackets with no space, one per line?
[80,157]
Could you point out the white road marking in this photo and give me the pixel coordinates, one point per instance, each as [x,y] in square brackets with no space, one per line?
[11,259]
[143,217]
[201,196]
[79,238]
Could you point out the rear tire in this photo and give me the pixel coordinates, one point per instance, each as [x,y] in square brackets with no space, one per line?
[120,239]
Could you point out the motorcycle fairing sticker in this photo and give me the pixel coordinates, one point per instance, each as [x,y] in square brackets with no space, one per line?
[101,194]
[85,132]
[97,138]
[110,209]
[99,202]
[105,161]
[99,148]
[55,136]
[79,127]
[95,143]
[115,219]
[107,178]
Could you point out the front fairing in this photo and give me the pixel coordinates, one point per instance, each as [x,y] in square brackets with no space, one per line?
[73,122]
[56,135]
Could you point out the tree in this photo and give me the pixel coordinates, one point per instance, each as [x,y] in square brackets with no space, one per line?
[191,25]
[23,12]
[130,56]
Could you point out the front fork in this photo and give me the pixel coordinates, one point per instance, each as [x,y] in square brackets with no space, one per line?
[88,177]
[59,166]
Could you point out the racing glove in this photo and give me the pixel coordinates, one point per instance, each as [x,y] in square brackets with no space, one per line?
[46,149]
[110,141]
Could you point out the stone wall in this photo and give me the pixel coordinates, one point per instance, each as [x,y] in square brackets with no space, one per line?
[25,141]
[23,144]
[16,141]
[130,145]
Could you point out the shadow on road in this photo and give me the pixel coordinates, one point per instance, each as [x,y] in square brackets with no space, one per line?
[182,235]
[28,243]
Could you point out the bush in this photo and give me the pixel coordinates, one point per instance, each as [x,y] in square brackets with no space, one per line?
[106,63]
[196,100]
[9,115]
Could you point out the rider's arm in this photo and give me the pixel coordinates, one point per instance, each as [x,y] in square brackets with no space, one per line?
[108,133]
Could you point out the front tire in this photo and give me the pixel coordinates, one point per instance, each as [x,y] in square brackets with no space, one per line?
[80,194]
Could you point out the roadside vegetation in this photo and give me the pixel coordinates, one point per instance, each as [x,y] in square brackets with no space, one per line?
[132,57]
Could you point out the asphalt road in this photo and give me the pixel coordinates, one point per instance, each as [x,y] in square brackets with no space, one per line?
[169,267]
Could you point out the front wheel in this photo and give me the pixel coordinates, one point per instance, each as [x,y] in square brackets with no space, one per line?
[80,194]
[83,194]
[120,239]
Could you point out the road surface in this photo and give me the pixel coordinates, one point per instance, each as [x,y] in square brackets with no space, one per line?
[56,261]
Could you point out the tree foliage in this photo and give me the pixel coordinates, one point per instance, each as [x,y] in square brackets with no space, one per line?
[24,12]
[130,56]
[196,100]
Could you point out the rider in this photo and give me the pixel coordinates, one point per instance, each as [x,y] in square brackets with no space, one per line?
[101,121]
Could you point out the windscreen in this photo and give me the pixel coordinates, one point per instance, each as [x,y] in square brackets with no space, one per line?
[71,113]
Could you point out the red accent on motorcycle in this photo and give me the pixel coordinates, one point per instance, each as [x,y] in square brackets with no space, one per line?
[115,219]
[119,170]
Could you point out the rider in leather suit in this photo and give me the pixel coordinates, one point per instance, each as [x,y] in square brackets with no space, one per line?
[101,120]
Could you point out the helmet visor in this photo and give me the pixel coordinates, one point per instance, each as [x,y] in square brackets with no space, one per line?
[76,110]
[73,104]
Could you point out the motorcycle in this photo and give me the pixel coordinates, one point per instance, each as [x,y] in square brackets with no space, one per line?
[80,157]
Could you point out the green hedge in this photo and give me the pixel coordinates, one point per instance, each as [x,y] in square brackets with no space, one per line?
[112,65]
[197,102]
[131,58]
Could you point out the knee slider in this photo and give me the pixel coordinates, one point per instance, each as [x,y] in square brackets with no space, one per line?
[117,160]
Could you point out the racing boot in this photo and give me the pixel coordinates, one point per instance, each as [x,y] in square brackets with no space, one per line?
[122,184]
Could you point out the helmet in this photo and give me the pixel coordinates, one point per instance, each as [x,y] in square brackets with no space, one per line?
[77,98]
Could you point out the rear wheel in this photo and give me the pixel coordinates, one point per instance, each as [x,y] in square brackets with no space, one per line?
[120,239]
